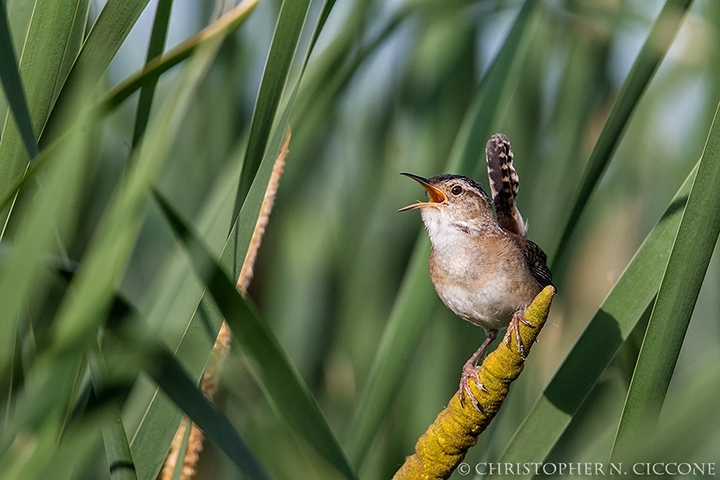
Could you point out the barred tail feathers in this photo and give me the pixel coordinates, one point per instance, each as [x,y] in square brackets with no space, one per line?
[504,183]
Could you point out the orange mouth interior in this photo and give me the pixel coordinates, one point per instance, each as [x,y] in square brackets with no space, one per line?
[435,194]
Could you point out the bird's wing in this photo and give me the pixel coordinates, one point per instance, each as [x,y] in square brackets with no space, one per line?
[537,263]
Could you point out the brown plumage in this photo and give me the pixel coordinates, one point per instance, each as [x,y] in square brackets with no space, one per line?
[482,266]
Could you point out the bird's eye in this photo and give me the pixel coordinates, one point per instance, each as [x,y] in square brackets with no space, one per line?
[456,190]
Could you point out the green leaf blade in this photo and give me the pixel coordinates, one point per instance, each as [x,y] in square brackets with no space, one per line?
[12,85]
[280,379]
[155,49]
[282,50]
[653,51]
[204,324]
[50,218]
[679,290]
[40,64]
[99,275]
[177,384]
[102,43]
[610,326]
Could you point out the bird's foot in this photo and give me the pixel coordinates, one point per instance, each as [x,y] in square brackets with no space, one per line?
[518,317]
[470,371]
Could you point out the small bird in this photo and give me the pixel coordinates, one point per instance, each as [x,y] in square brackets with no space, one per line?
[482,265]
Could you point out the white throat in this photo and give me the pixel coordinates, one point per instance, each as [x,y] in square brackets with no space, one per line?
[444,232]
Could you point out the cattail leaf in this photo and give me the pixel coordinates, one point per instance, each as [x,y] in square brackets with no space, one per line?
[160,420]
[656,46]
[12,85]
[691,252]
[282,50]
[102,43]
[596,347]
[155,49]
[283,384]
[41,59]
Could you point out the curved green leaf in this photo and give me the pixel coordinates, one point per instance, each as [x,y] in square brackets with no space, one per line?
[281,381]
[155,49]
[41,60]
[656,46]
[170,376]
[596,347]
[160,420]
[282,50]
[99,274]
[94,286]
[106,36]
[152,70]
[679,290]
[12,85]
[51,216]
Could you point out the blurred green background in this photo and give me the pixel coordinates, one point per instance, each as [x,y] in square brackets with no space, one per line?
[388,87]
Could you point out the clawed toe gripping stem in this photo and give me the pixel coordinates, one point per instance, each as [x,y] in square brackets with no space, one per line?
[518,317]
[470,370]
[443,446]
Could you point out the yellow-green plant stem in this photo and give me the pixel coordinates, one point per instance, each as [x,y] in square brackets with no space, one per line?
[444,445]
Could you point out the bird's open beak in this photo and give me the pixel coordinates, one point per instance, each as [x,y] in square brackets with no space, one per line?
[435,194]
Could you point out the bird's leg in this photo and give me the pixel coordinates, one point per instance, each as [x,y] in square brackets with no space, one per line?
[470,370]
[518,317]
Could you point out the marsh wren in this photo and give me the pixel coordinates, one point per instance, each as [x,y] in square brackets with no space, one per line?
[482,265]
